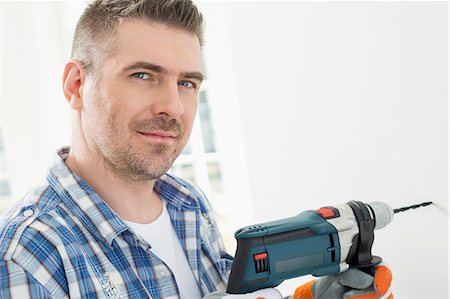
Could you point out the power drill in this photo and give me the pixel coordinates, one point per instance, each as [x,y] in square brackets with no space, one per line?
[321,242]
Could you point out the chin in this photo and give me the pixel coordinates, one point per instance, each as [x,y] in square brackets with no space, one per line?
[156,168]
[150,161]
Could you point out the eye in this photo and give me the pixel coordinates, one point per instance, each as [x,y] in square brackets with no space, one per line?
[188,84]
[142,76]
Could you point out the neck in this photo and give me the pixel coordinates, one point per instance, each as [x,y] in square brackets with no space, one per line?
[131,200]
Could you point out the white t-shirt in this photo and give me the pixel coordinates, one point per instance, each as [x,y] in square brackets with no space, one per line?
[165,244]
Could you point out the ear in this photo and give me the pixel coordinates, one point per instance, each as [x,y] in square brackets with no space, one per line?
[73,79]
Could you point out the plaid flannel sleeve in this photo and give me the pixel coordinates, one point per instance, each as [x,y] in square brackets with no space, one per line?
[15,282]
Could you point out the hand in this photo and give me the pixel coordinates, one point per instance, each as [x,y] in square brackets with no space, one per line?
[270,293]
[351,284]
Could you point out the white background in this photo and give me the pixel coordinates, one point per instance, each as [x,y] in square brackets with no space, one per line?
[326,102]
[341,101]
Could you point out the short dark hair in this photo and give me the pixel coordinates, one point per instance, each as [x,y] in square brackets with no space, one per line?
[94,33]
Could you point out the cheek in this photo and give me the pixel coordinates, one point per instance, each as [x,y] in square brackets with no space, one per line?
[105,120]
[116,110]
[92,119]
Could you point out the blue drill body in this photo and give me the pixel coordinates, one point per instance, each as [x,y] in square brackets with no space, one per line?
[320,242]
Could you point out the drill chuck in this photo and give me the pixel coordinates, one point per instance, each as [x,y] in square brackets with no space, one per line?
[382,213]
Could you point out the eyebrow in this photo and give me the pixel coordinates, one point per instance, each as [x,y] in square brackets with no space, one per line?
[159,69]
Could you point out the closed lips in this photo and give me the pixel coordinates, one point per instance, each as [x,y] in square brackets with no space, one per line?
[160,134]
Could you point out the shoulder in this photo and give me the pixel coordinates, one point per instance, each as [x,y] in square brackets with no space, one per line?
[32,241]
[20,223]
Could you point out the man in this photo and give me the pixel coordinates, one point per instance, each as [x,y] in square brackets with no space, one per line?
[108,222]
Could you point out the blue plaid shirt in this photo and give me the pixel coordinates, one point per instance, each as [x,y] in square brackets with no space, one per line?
[62,240]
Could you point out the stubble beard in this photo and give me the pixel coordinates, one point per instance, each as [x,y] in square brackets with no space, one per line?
[135,162]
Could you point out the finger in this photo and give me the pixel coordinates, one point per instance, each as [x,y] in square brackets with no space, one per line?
[369,293]
[305,291]
[381,287]
[382,282]
[364,295]
[356,279]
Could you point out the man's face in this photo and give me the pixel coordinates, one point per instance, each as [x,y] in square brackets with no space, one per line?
[138,114]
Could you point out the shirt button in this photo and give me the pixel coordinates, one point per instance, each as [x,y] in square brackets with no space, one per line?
[162,273]
[28,213]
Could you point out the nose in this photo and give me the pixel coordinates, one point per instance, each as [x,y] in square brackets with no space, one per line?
[168,101]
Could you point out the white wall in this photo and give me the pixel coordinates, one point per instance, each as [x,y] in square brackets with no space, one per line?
[318,103]
[35,117]
[342,101]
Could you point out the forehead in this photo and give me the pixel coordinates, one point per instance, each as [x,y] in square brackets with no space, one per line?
[176,50]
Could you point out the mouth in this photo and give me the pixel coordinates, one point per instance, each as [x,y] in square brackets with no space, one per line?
[159,136]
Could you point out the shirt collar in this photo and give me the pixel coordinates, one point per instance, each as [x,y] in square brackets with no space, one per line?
[93,211]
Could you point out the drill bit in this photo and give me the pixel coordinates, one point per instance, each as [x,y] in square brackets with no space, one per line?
[424,204]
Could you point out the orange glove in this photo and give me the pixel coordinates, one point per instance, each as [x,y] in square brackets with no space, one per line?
[351,284]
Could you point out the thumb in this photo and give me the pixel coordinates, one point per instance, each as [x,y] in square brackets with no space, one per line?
[356,279]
